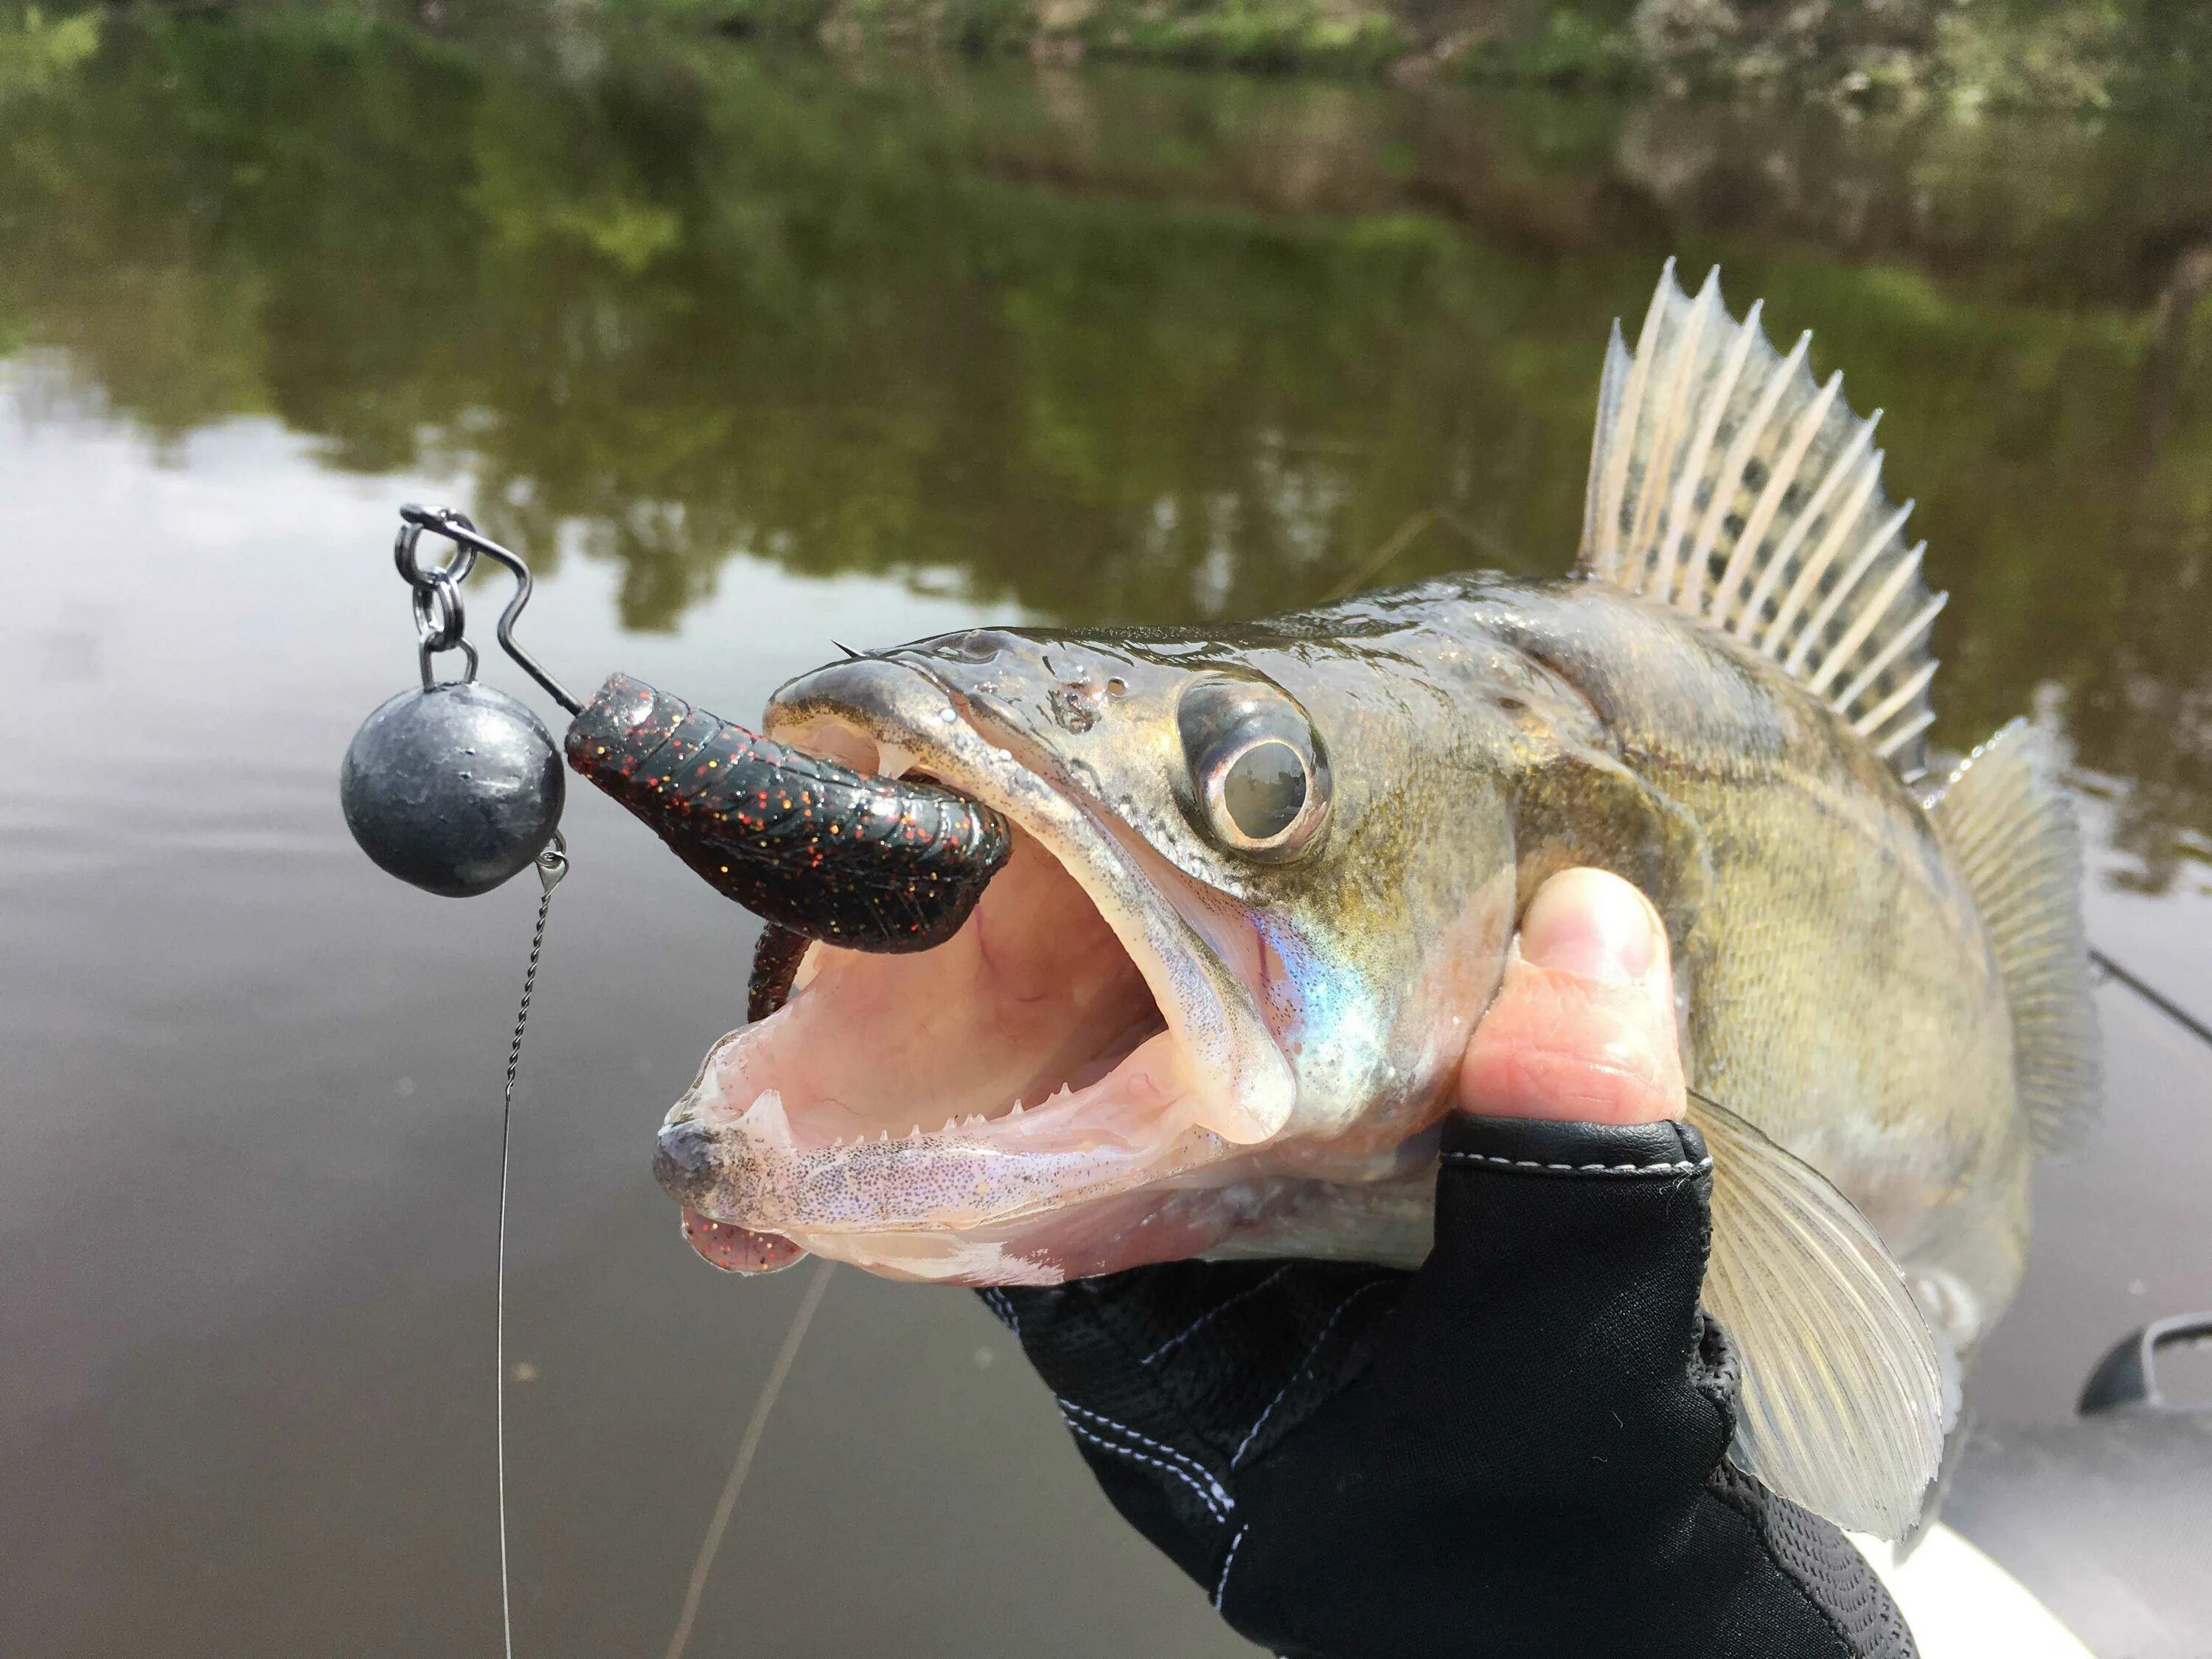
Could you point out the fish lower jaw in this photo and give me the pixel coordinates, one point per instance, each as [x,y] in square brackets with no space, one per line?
[1143,1099]
[746,1157]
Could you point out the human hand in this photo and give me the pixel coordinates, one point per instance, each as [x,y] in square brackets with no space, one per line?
[1584,1026]
[1517,1449]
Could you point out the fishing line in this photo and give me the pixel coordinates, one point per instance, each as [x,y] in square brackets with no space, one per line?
[1373,565]
[552,864]
[1403,536]
[2173,1010]
[747,1447]
[456,788]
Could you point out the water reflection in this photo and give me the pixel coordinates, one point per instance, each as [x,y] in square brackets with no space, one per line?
[1127,345]
[703,327]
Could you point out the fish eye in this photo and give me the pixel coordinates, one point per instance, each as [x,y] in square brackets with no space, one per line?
[1259,784]
[1264,789]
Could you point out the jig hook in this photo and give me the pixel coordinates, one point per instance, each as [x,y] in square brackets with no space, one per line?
[445,580]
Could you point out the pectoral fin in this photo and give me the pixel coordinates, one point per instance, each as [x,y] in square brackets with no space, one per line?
[1843,1404]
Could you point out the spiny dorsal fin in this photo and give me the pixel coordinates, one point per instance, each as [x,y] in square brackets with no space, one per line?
[1725,482]
[2009,826]
[1843,1407]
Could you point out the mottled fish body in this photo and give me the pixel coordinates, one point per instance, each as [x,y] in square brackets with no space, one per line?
[1264,878]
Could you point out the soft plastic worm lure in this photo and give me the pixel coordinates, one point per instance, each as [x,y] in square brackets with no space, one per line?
[812,847]
[455,788]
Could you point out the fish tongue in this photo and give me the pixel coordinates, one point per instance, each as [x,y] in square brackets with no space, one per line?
[737,1249]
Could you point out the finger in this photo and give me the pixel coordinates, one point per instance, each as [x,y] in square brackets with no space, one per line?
[1583,1025]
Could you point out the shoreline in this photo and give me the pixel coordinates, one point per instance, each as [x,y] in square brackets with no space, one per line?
[1911,57]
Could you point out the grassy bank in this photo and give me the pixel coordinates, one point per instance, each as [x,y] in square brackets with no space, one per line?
[1965,55]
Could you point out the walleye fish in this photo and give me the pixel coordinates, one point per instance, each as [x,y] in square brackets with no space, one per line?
[1261,882]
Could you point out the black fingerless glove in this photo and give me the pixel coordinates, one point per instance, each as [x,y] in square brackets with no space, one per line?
[1516,1450]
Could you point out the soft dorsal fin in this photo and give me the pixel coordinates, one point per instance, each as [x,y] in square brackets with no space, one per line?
[2009,826]
[1725,482]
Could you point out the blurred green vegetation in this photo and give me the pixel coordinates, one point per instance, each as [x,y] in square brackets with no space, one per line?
[2081,55]
[38,49]
[1122,345]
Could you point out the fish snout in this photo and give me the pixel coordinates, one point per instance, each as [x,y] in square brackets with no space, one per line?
[895,702]
[690,1162]
[1011,678]
[946,706]
[691,1165]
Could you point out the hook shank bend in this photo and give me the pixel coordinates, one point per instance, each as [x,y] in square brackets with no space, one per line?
[456,528]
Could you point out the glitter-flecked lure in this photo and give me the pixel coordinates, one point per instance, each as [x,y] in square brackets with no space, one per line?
[816,848]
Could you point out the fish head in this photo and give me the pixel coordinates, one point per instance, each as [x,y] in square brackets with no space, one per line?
[1260,888]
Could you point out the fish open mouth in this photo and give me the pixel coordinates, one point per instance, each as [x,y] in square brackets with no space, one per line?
[984,1110]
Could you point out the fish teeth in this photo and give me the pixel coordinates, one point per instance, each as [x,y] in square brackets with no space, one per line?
[766,1120]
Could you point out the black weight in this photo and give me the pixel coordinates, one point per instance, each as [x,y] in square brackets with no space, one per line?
[453,789]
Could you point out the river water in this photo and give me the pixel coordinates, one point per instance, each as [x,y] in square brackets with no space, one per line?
[747,353]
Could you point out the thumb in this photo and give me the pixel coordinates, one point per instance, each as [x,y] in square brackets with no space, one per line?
[1583,1025]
